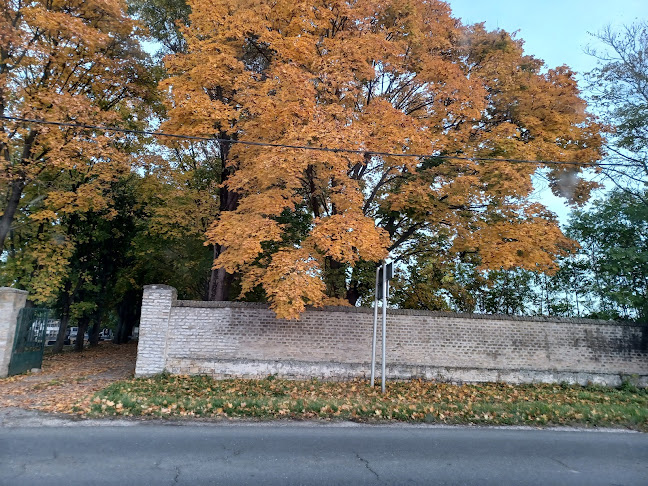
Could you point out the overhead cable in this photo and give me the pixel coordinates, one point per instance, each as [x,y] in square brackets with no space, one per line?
[302,147]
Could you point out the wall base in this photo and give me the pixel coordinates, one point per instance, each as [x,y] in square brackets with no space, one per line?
[305,370]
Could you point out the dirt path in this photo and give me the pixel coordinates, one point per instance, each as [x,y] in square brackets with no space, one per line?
[70,379]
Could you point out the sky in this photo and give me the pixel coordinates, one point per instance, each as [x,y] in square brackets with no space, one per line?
[556,31]
[553,30]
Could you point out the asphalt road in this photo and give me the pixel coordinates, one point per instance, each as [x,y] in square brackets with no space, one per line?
[288,454]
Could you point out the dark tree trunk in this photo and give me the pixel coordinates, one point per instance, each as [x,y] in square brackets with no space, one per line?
[128,312]
[123,331]
[353,294]
[362,281]
[16,188]
[220,282]
[80,338]
[65,319]
[335,278]
[15,193]
[93,335]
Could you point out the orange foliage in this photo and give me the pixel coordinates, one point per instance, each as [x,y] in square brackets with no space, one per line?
[72,61]
[396,76]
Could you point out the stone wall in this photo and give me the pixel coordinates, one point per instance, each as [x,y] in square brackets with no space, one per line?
[11,301]
[233,339]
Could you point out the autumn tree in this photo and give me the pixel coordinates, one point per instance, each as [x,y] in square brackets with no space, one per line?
[70,62]
[66,63]
[391,81]
[164,20]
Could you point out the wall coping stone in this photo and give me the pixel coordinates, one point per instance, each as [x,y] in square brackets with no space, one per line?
[159,287]
[11,289]
[401,312]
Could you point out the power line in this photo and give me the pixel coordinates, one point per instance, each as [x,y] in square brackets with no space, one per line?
[301,147]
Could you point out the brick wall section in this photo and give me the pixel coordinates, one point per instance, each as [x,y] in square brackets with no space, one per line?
[11,301]
[154,329]
[233,339]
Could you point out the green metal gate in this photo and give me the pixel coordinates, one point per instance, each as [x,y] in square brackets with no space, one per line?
[29,340]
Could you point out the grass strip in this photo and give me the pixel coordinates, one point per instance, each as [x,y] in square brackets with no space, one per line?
[414,401]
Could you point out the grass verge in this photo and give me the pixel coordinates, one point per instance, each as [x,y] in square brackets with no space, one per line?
[415,401]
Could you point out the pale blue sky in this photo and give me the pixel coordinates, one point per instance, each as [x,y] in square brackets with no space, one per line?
[553,30]
[556,32]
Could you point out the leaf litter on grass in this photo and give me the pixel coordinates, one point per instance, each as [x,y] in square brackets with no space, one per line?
[413,401]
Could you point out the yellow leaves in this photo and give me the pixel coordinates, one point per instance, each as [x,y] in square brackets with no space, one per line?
[531,243]
[387,128]
[348,237]
[271,202]
[43,266]
[70,62]
[241,235]
[335,302]
[292,281]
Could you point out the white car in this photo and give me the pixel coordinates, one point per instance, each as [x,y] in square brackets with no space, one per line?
[74,331]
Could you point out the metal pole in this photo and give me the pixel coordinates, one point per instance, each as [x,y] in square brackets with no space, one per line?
[384,322]
[375,330]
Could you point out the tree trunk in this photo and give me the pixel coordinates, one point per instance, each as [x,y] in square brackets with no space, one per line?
[15,193]
[220,281]
[128,311]
[122,333]
[354,292]
[353,295]
[335,278]
[16,188]
[82,328]
[360,285]
[93,335]
[65,318]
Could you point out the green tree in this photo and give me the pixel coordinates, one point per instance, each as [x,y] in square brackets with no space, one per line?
[613,235]
[164,20]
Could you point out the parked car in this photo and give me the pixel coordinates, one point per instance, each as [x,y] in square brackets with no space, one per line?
[74,332]
[105,334]
[51,331]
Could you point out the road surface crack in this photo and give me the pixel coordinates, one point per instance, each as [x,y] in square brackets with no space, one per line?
[177,475]
[564,465]
[366,463]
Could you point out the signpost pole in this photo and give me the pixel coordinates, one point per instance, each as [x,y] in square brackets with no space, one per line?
[384,321]
[375,330]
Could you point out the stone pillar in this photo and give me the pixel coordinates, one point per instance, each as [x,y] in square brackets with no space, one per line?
[11,301]
[154,323]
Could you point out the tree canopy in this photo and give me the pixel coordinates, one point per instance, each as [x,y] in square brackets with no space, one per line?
[70,62]
[391,77]
[64,228]
[614,240]
[618,88]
